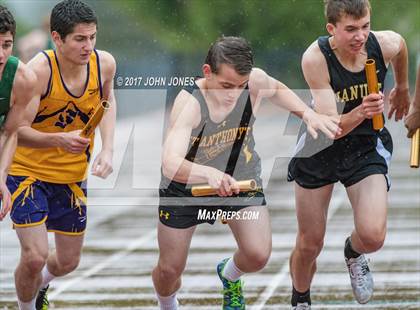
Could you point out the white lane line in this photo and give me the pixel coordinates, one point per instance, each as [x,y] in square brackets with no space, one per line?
[284,270]
[114,258]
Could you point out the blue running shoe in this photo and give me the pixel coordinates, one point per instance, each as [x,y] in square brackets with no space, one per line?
[233,298]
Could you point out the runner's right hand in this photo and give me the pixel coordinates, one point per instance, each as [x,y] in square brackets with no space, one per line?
[72,142]
[372,104]
[224,184]
[6,201]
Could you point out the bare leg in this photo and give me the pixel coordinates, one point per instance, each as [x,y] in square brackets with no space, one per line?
[66,256]
[173,251]
[369,200]
[34,253]
[254,240]
[311,211]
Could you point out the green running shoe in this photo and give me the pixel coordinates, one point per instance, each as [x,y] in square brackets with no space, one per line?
[232,291]
[42,302]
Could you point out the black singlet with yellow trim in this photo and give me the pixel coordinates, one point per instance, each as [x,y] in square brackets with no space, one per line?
[363,151]
[227,146]
[350,87]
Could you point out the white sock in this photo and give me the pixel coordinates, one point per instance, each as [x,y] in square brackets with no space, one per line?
[46,277]
[30,305]
[168,302]
[231,272]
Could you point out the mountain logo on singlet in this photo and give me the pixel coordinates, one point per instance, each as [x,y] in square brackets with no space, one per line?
[64,116]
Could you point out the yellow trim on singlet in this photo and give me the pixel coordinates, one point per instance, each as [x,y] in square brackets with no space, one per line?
[60,111]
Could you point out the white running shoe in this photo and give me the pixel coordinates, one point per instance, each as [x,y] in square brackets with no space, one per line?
[360,278]
[302,306]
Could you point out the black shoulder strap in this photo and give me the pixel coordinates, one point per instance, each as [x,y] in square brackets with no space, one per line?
[237,145]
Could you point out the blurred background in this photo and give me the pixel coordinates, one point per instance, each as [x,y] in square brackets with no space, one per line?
[171,37]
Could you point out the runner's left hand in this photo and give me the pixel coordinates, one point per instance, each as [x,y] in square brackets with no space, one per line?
[412,120]
[6,200]
[102,165]
[399,102]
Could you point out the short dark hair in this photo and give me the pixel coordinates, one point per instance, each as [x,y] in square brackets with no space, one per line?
[335,9]
[234,51]
[68,13]
[7,22]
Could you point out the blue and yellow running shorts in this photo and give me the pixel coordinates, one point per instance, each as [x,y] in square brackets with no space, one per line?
[62,207]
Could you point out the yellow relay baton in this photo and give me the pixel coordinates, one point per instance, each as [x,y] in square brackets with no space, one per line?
[415,149]
[95,119]
[207,190]
[372,81]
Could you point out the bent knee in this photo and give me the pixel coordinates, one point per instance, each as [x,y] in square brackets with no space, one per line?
[169,272]
[257,259]
[310,247]
[373,240]
[69,265]
[34,262]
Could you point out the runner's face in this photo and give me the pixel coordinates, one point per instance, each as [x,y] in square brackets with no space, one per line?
[79,44]
[226,85]
[350,34]
[6,46]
